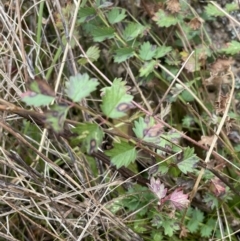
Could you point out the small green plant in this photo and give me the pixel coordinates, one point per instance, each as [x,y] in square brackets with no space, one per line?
[150,98]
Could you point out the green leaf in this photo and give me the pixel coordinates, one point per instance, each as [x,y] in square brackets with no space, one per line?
[116,15]
[86,13]
[122,154]
[103,4]
[80,86]
[170,227]
[116,101]
[189,160]
[233,48]
[187,121]
[35,99]
[90,135]
[231,7]
[211,10]
[195,220]
[163,19]
[123,54]
[102,33]
[211,201]
[56,116]
[163,168]
[169,140]
[162,51]
[72,42]
[206,229]
[187,96]
[146,129]
[93,53]
[132,31]
[147,68]
[156,236]
[147,51]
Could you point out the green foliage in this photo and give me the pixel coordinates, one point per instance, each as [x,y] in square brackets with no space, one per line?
[170,227]
[116,15]
[162,51]
[211,201]
[122,154]
[35,99]
[211,10]
[93,53]
[132,31]
[90,136]
[152,55]
[85,13]
[115,100]
[39,94]
[102,33]
[232,48]
[123,54]
[147,130]
[147,68]
[56,116]
[80,86]
[208,228]
[196,218]
[147,51]
[189,160]
[163,19]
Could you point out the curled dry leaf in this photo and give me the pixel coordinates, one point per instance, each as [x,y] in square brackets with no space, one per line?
[173,6]
[221,66]
[229,124]
[218,187]
[217,80]
[206,140]
[192,64]
[221,104]
[184,232]
[196,23]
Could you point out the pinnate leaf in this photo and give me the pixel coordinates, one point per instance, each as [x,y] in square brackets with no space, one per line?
[80,86]
[93,53]
[116,101]
[132,31]
[102,33]
[196,218]
[232,48]
[206,229]
[148,68]
[147,130]
[122,154]
[211,10]
[170,227]
[147,51]
[86,13]
[56,116]
[163,19]
[123,54]
[116,15]
[39,93]
[90,136]
[162,51]
[36,100]
[189,160]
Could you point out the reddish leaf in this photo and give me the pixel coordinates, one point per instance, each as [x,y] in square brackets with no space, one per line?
[157,188]
[178,199]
